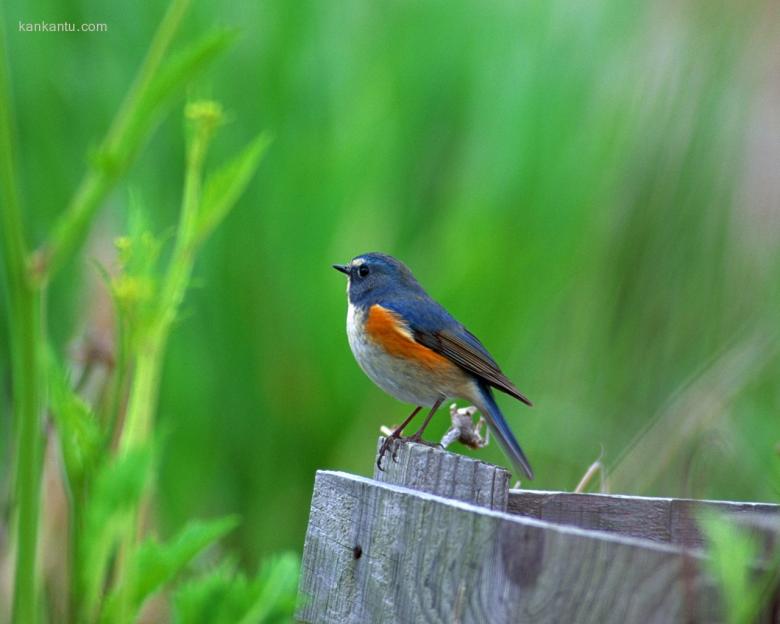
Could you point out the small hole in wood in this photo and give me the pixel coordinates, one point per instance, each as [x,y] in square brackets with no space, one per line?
[357,552]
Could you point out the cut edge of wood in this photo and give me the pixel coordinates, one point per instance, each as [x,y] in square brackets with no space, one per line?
[568,529]
[634,497]
[439,450]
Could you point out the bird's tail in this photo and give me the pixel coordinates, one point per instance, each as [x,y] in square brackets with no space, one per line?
[486,404]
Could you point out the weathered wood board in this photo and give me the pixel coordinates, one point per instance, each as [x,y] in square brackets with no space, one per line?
[670,520]
[379,553]
[428,541]
[434,470]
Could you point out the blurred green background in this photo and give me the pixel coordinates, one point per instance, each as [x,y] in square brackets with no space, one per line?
[592,188]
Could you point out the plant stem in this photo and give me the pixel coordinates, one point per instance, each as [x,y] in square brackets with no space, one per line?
[149,360]
[115,155]
[25,329]
[119,382]
[143,396]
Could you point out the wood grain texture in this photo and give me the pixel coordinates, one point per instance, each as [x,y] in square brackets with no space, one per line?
[436,471]
[378,553]
[670,520]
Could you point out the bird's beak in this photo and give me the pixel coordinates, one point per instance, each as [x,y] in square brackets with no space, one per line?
[342,267]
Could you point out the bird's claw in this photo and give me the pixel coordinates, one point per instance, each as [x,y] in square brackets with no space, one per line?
[392,443]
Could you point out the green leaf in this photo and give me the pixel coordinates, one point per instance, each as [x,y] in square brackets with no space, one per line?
[217,597]
[155,88]
[155,564]
[224,187]
[117,488]
[77,427]
[731,556]
[167,84]
[276,588]
[226,596]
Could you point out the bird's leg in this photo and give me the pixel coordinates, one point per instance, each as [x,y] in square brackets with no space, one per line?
[417,436]
[393,437]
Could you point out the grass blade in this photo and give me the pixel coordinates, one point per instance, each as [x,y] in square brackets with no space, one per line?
[156,87]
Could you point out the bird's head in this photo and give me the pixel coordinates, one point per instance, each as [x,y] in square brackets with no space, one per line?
[373,275]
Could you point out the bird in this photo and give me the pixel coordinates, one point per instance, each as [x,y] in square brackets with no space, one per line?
[416,351]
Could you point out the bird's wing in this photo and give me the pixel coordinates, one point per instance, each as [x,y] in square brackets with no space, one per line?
[440,332]
[462,350]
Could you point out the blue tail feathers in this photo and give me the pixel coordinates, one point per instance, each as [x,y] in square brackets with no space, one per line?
[498,425]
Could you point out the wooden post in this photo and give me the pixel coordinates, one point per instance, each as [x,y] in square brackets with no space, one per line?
[378,551]
[432,469]
[669,520]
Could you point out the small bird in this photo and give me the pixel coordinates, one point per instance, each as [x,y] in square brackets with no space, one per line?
[416,351]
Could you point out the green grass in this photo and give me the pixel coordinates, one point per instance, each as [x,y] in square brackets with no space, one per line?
[109,447]
[580,184]
[745,588]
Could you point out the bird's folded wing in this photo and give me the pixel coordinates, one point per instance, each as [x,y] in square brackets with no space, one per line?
[469,356]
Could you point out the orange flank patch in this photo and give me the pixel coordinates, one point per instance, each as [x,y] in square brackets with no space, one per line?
[386,328]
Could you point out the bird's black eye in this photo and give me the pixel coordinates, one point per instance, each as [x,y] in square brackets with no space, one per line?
[363,270]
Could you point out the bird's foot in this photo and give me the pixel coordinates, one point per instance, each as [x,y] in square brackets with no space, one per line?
[393,442]
[390,443]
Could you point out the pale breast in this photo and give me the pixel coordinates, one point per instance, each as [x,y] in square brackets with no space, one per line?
[398,376]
